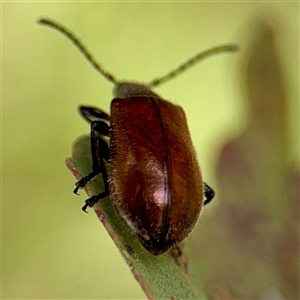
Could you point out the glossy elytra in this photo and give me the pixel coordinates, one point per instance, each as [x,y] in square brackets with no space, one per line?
[153,178]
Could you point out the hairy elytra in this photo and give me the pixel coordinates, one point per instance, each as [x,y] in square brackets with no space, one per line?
[153,178]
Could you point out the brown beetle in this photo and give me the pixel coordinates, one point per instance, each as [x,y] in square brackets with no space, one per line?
[154,178]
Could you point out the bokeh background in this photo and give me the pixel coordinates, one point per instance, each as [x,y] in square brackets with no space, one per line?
[50,249]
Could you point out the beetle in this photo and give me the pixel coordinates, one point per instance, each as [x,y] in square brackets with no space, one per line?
[153,178]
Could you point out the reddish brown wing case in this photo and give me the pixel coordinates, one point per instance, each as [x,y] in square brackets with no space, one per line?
[155,179]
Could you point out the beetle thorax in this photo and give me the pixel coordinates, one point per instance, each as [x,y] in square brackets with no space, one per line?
[129,89]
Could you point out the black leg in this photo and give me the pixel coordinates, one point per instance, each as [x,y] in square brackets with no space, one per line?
[98,146]
[99,151]
[91,201]
[209,193]
[92,113]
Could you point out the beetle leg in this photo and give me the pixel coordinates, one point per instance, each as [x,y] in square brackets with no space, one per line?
[91,201]
[91,113]
[99,149]
[209,193]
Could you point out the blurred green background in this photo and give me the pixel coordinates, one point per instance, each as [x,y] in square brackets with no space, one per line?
[50,249]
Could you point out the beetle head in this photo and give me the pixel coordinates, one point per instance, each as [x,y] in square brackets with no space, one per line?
[130,89]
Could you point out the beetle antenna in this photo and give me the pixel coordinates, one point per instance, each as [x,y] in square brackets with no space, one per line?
[82,48]
[197,58]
